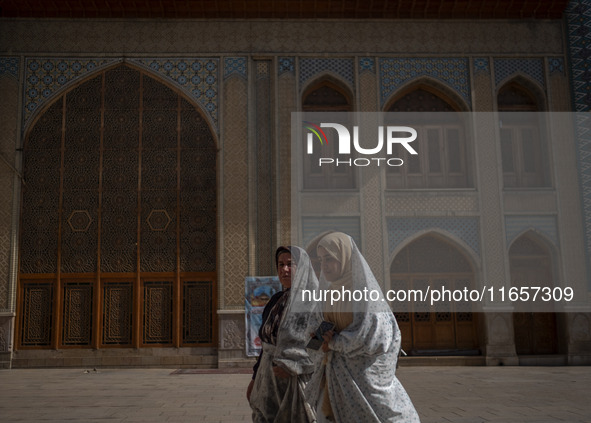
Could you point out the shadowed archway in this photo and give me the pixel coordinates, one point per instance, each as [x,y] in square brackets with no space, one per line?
[445,327]
[118,221]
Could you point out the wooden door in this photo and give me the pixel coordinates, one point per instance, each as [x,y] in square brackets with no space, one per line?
[445,326]
[534,324]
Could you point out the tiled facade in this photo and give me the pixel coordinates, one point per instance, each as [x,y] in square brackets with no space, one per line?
[247,78]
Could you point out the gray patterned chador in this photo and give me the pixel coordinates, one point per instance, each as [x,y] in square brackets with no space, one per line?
[276,393]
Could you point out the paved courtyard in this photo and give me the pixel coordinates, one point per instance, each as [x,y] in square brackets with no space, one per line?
[440,394]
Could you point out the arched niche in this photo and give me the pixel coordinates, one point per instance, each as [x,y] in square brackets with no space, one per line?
[532,270]
[524,151]
[447,327]
[327,95]
[443,151]
[118,218]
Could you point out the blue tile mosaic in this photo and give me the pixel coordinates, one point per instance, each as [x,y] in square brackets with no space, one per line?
[578,18]
[516,225]
[578,21]
[367,64]
[506,68]
[481,64]
[286,65]
[464,228]
[9,66]
[556,65]
[342,68]
[395,72]
[197,77]
[583,141]
[235,66]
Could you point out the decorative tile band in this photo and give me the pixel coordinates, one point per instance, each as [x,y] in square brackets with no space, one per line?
[481,64]
[556,65]
[395,72]
[235,66]
[367,64]
[505,68]
[343,68]
[464,228]
[9,66]
[516,225]
[286,65]
[578,22]
[578,17]
[583,140]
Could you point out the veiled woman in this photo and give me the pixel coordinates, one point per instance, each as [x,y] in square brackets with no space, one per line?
[356,381]
[276,393]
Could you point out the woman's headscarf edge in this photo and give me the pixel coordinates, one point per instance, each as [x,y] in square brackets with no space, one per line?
[294,251]
[340,246]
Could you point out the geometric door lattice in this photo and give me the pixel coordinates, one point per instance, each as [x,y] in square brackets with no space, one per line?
[118,218]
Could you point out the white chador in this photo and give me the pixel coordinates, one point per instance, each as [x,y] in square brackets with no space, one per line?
[355,381]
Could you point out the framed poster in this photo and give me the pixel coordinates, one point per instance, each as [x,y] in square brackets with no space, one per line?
[258,291]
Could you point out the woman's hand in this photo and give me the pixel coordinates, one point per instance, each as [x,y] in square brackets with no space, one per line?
[280,372]
[327,337]
[249,389]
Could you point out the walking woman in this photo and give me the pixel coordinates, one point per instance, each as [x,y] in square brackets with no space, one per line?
[356,381]
[276,392]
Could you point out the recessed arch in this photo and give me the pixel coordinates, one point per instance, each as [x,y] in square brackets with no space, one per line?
[118,218]
[525,87]
[538,236]
[532,267]
[524,150]
[330,97]
[337,89]
[443,153]
[432,260]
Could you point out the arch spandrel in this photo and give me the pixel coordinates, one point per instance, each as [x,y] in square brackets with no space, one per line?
[454,102]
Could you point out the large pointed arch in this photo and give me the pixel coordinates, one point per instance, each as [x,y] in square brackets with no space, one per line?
[434,260]
[119,218]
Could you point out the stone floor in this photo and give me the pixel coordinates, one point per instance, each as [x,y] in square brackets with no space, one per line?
[440,394]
